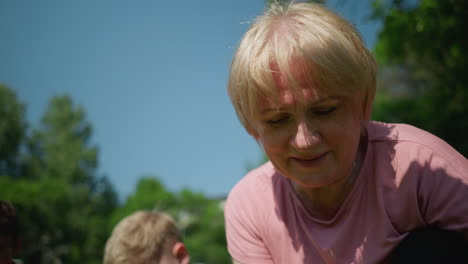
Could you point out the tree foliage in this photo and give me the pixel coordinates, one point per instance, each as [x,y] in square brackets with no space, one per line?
[12,130]
[423,49]
[202,221]
[60,148]
[66,209]
[43,231]
[62,203]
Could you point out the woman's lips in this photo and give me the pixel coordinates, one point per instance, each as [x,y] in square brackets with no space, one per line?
[311,161]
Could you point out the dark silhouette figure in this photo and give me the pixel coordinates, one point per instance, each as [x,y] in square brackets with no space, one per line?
[431,245]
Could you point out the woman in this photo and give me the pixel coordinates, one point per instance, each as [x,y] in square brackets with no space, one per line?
[338,188]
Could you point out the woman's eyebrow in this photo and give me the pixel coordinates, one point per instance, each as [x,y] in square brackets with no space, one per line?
[324,100]
[273,109]
[314,103]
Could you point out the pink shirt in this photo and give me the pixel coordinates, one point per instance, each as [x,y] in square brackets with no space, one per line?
[409,179]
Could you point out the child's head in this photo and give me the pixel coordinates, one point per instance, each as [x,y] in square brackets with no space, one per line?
[145,237]
[9,232]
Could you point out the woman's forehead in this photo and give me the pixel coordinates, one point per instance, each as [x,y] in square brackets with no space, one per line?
[295,83]
[296,71]
[286,98]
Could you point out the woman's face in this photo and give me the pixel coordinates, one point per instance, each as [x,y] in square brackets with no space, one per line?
[314,141]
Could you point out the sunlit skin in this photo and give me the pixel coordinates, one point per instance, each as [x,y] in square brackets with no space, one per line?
[313,142]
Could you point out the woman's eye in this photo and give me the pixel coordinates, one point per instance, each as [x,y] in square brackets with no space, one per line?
[326,111]
[277,120]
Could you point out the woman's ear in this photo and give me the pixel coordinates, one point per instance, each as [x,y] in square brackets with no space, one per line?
[179,251]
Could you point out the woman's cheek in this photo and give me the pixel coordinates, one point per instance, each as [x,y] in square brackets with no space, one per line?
[274,141]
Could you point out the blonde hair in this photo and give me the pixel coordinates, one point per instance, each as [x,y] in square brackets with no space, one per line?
[141,237]
[330,51]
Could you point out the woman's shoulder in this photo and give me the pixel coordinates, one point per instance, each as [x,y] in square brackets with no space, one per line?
[380,131]
[252,197]
[258,182]
[420,177]
[406,138]
[408,148]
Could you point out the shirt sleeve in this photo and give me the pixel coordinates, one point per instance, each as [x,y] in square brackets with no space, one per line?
[243,229]
[443,191]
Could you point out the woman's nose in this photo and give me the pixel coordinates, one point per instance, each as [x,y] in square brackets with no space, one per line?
[305,136]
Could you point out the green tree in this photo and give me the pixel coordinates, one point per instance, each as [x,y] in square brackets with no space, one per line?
[150,194]
[63,204]
[53,224]
[12,131]
[204,232]
[43,208]
[426,43]
[60,147]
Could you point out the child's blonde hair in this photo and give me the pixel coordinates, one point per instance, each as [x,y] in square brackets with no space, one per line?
[140,237]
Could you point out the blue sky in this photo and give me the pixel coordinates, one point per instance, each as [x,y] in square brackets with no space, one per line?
[152,77]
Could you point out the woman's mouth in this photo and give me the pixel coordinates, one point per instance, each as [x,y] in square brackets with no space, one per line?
[310,161]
